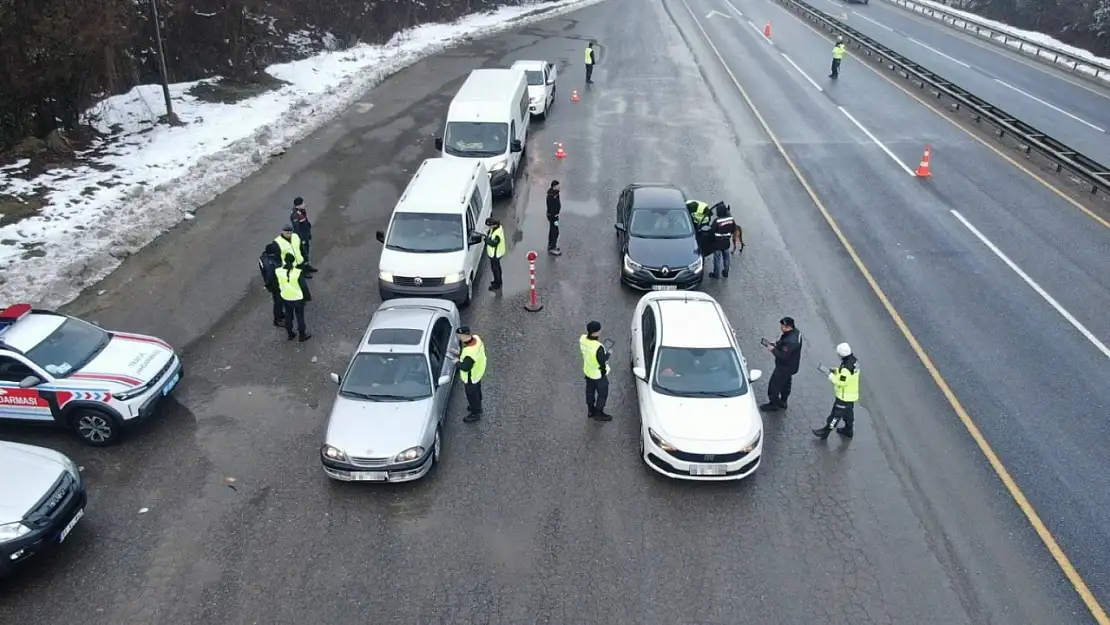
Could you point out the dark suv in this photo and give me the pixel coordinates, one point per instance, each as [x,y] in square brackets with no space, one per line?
[658,242]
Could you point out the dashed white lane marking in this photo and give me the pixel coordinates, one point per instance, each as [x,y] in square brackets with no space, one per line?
[1036,287]
[877,142]
[873,21]
[804,75]
[935,51]
[1051,106]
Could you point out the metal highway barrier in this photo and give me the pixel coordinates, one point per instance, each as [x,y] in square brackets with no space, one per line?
[1082,169]
[1040,51]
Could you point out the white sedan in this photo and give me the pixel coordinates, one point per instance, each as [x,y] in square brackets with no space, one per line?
[541,77]
[698,414]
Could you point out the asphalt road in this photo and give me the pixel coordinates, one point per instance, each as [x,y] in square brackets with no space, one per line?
[536,514]
[1068,108]
[1037,386]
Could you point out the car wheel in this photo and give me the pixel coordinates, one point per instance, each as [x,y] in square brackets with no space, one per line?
[641,442]
[512,183]
[469,293]
[96,427]
[436,450]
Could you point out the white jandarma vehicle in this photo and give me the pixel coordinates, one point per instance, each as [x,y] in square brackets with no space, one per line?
[541,77]
[58,369]
[698,415]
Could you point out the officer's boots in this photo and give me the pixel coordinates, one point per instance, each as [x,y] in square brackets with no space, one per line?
[845,431]
[822,433]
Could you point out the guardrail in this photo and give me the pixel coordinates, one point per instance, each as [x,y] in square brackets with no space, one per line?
[1017,43]
[1030,140]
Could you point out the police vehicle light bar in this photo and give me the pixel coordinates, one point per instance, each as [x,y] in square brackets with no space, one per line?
[12,314]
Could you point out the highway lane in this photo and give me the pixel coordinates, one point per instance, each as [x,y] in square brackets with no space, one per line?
[537,514]
[1067,108]
[969,309]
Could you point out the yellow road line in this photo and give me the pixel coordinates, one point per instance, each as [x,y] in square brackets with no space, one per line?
[1008,481]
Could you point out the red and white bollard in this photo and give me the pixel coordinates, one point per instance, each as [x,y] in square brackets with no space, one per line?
[533,304]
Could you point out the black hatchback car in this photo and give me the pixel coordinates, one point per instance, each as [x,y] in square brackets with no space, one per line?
[658,242]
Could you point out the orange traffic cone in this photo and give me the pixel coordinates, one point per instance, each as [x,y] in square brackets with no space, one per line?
[923,168]
[574,96]
[767,30]
[559,153]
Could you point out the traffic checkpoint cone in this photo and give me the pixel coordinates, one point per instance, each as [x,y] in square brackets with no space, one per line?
[574,96]
[923,168]
[559,153]
[767,30]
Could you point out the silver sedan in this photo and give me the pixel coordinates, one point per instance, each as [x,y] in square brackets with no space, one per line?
[385,424]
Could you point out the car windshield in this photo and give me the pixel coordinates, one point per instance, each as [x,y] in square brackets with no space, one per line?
[426,233]
[535,78]
[661,223]
[685,372]
[387,377]
[69,348]
[476,139]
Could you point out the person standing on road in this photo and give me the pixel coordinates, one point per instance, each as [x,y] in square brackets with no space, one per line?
[554,207]
[722,231]
[699,211]
[845,381]
[294,295]
[302,227]
[788,357]
[495,249]
[289,243]
[595,366]
[268,264]
[471,354]
[837,56]
[590,62]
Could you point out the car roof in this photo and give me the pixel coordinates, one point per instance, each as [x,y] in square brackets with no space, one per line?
[529,64]
[692,322]
[440,186]
[31,330]
[411,318]
[657,196]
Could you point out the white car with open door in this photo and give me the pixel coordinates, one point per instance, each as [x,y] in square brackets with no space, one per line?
[541,77]
[698,415]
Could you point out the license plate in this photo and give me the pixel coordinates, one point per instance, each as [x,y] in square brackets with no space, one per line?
[664,287]
[369,476]
[707,469]
[172,383]
[69,526]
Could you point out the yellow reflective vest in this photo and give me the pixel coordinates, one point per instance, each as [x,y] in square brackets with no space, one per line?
[838,51]
[289,284]
[497,251]
[292,245]
[591,368]
[845,383]
[477,351]
[589,56]
[701,214]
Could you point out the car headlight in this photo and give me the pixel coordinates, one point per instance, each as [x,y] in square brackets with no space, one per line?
[12,531]
[750,446]
[498,166]
[410,454]
[72,467]
[132,394]
[385,276]
[333,453]
[697,265]
[631,266]
[659,442]
[454,278]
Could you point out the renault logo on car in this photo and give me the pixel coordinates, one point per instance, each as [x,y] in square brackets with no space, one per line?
[666,271]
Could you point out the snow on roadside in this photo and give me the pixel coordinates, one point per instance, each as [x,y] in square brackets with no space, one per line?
[1035,37]
[148,178]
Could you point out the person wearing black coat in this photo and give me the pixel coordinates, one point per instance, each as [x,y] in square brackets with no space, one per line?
[788,358]
[554,207]
[268,263]
[303,229]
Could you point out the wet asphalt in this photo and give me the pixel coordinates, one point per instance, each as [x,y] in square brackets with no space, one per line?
[536,514]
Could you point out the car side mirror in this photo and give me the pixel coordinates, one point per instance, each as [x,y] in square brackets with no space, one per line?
[640,373]
[516,146]
[30,381]
[475,238]
[439,143]
[619,227]
[380,236]
[443,380]
[334,377]
[754,375]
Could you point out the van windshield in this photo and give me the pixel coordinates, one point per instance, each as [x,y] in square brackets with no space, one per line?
[535,78]
[476,139]
[426,233]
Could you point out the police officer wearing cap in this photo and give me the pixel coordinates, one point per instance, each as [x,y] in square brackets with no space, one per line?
[471,355]
[302,227]
[289,242]
[788,358]
[495,249]
[845,381]
[596,369]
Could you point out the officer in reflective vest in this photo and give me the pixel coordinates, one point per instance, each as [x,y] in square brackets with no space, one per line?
[838,55]
[471,354]
[699,211]
[294,294]
[289,243]
[595,366]
[495,249]
[845,381]
[590,63]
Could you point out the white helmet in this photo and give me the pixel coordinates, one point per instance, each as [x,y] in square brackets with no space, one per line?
[844,350]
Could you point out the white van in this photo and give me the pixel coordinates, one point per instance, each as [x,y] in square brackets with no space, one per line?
[434,244]
[488,120]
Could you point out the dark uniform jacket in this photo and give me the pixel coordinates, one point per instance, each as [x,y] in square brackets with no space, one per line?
[554,205]
[302,227]
[788,351]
